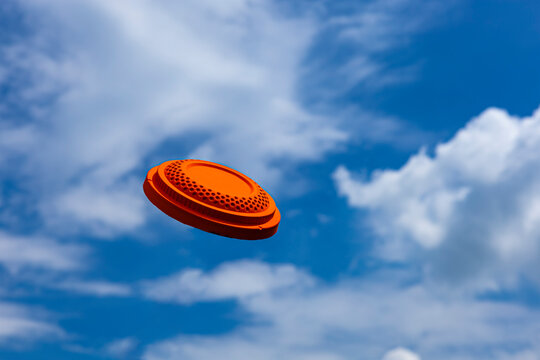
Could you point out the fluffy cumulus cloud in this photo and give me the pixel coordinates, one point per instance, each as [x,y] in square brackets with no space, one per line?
[472,209]
[369,318]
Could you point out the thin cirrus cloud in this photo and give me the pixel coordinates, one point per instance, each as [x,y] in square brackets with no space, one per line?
[300,317]
[92,287]
[471,210]
[102,85]
[368,30]
[52,264]
[20,253]
[21,324]
[48,264]
[120,348]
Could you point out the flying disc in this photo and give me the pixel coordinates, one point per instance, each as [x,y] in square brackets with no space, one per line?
[212,197]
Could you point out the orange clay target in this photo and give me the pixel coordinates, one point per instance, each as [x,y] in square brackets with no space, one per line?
[213,198]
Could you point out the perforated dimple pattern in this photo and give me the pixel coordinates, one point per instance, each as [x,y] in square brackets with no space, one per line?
[257,202]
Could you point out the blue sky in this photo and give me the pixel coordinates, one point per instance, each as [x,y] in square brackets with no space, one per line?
[399,139]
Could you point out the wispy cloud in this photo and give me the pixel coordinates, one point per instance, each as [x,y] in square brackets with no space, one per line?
[20,325]
[400,354]
[120,348]
[373,317]
[92,287]
[18,253]
[364,35]
[229,281]
[50,264]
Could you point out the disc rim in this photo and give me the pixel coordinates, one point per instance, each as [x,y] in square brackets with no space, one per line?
[187,215]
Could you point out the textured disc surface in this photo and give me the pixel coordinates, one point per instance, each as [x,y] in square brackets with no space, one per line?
[213,198]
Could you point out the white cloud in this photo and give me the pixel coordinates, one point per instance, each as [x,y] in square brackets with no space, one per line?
[19,253]
[51,264]
[20,324]
[471,210]
[104,209]
[120,348]
[400,354]
[367,29]
[14,140]
[364,317]
[94,287]
[230,280]
[374,27]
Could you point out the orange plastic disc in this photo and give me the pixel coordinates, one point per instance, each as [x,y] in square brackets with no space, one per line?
[213,198]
